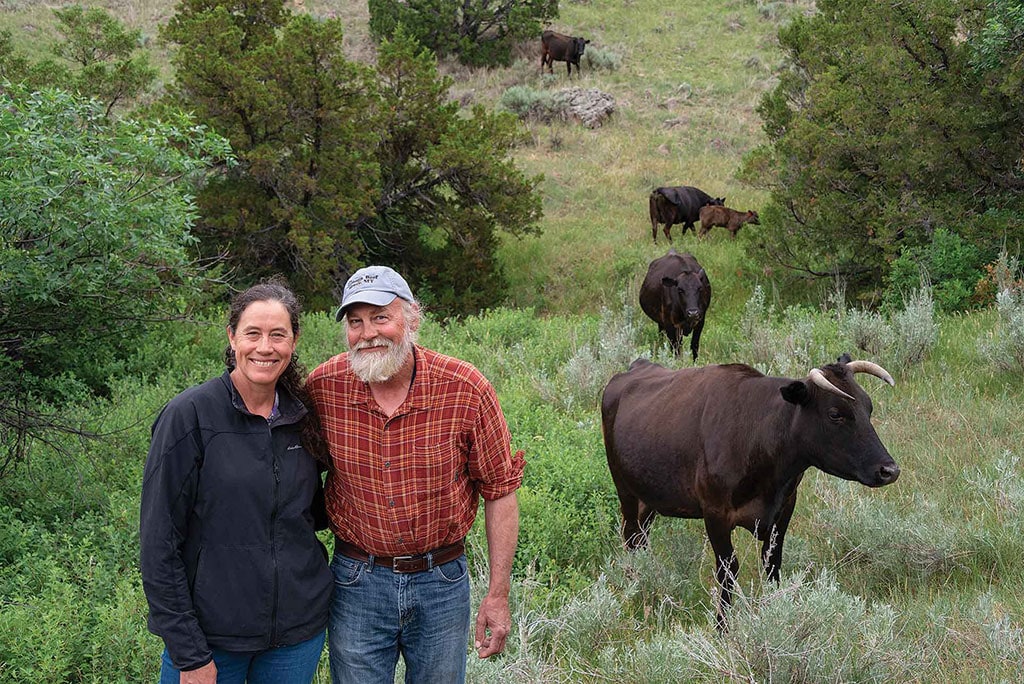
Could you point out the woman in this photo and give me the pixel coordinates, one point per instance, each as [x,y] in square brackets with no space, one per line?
[237,583]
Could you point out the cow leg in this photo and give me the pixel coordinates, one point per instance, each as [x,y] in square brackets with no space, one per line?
[646,515]
[668,229]
[695,340]
[771,544]
[673,338]
[654,231]
[726,565]
[633,533]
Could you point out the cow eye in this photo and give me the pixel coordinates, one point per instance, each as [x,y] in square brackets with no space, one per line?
[834,415]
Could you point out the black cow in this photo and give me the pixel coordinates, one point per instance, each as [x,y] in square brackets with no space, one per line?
[678,204]
[676,294]
[558,47]
[730,445]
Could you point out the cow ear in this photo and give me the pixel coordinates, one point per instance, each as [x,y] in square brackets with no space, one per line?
[795,393]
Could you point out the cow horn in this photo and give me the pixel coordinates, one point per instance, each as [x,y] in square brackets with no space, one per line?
[819,379]
[871,369]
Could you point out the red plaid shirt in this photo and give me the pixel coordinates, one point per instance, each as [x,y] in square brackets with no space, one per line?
[410,483]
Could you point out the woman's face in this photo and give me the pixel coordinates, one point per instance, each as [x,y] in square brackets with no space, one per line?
[263,343]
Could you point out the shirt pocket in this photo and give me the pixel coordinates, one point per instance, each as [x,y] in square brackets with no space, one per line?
[441,468]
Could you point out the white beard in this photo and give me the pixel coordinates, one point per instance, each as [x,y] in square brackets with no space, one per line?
[378,367]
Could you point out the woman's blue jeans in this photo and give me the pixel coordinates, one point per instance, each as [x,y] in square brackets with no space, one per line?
[282,665]
[378,614]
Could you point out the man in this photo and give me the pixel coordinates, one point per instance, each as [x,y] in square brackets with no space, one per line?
[415,438]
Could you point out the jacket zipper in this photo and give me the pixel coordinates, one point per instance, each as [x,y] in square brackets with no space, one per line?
[273,541]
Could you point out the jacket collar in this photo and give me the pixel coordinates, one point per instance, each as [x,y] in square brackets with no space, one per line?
[292,410]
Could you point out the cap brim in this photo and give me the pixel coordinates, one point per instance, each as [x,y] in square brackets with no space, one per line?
[375,297]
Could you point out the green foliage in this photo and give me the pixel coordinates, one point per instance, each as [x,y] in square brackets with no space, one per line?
[94,244]
[449,185]
[97,58]
[883,135]
[341,165]
[952,264]
[301,119]
[72,601]
[998,47]
[477,32]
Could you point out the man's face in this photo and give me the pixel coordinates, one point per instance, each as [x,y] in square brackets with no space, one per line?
[379,340]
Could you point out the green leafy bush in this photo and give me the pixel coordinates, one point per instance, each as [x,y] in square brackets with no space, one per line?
[952,265]
[477,32]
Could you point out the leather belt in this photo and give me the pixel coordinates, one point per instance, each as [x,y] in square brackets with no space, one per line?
[403,564]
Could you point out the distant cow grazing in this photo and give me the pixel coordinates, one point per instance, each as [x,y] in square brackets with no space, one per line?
[730,445]
[711,216]
[558,47]
[676,295]
[678,204]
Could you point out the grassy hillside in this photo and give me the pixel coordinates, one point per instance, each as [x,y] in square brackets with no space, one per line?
[690,77]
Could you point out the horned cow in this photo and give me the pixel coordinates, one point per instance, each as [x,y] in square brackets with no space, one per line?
[730,445]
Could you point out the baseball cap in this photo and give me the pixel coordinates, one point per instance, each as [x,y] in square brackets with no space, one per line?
[377,285]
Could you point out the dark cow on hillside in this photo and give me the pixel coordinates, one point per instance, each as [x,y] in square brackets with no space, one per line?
[558,47]
[676,295]
[711,216]
[678,204]
[730,445]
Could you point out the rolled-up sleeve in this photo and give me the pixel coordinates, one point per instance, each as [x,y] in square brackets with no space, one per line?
[492,464]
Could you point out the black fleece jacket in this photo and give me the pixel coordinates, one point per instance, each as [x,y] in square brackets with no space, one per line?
[229,555]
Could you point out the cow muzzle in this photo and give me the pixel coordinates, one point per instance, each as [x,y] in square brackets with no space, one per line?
[886,474]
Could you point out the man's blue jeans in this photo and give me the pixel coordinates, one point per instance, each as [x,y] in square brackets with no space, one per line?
[377,614]
[294,664]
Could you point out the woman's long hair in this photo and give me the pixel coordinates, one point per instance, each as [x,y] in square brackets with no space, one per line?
[293,379]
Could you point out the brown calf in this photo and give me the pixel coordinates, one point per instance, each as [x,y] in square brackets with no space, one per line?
[711,216]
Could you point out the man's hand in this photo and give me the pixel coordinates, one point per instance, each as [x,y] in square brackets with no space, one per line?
[493,623]
[207,674]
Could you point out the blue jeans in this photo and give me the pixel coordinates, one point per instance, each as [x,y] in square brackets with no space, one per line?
[294,664]
[377,614]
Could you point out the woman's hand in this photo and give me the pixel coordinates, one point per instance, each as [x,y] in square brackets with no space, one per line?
[207,674]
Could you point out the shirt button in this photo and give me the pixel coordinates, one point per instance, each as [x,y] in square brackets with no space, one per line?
[391,503]
[387,464]
[400,539]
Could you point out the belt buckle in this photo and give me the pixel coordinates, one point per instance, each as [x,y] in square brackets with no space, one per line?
[401,559]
